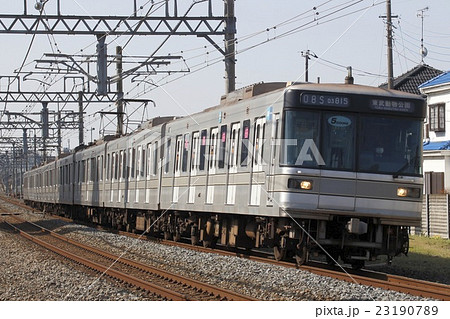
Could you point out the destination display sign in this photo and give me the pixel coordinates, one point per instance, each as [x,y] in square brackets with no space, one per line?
[392,105]
[324,100]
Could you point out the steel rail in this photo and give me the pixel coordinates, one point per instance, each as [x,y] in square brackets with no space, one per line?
[402,284]
[160,291]
[216,291]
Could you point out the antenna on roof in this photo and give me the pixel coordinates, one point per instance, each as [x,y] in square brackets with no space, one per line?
[423,50]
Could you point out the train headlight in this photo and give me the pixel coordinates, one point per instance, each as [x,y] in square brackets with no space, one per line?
[300,184]
[402,192]
[305,184]
[408,192]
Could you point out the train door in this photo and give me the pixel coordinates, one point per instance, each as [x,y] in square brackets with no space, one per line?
[272,159]
[257,180]
[148,173]
[121,168]
[194,166]
[233,163]
[212,165]
[113,174]
[178,163]
[88,180]
[139,173]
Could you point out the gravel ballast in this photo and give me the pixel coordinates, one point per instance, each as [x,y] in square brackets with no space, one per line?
[31,273]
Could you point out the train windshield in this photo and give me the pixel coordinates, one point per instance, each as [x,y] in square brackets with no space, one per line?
[390,145]
[345,141]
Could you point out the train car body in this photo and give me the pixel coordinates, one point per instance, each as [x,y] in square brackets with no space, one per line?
[304,169]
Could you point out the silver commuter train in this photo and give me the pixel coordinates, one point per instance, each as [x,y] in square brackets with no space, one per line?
[301,168]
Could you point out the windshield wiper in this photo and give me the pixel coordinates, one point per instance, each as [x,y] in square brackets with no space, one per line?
[396,174]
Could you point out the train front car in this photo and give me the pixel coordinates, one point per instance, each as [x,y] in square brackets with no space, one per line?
[350,172]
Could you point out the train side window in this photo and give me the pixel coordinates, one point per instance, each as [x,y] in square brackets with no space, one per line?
[195,151]
[222,146]
[213,148]
[121,167]
[149,160]
[93,170]
[178,153]
[184,163]
[138,161]
[234,145]
[99,168]
[108,166]
[86,171]
[83,169]
[142,162]
[245,139]
[258,142]
[133,161]
[114,166]
[202,155]
[167,158]
[155,158]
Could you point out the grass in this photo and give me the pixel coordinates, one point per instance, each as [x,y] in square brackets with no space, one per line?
[428,259]
[434,246]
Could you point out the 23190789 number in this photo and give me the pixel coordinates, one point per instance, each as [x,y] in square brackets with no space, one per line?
[407,310]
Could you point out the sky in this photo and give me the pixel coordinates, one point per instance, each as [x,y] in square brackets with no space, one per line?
[271,36]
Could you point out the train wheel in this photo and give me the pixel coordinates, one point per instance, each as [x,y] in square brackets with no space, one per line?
[334,255]
[301,254]
[357,264]
[279,253]
[194,240]
[177,236]
[207,243]
[167,235]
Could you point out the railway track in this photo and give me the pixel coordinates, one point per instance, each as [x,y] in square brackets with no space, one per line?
[364,277]
[402,284]
[162,284]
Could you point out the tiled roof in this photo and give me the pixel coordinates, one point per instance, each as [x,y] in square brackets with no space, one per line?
[440,79]
[411,80]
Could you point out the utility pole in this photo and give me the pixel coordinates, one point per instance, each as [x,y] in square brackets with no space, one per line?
[59,133]
[45,134]
[389,38]
[307,55]
[230,54]
[119,91]
[80,119]
[390,62]
[25,147]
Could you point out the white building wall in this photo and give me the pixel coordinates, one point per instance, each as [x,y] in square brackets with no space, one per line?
[437,98]
[433,164]
[438,161]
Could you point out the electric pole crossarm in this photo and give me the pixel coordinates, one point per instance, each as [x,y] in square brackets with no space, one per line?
[68,97]
[111,25]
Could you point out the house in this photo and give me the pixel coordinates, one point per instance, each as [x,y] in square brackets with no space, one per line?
[436,153]
[410,81]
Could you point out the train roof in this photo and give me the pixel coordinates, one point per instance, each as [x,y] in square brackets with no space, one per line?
[353,89]
[263,88]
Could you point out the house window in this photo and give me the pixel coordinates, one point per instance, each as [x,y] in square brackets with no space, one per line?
[437,117]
